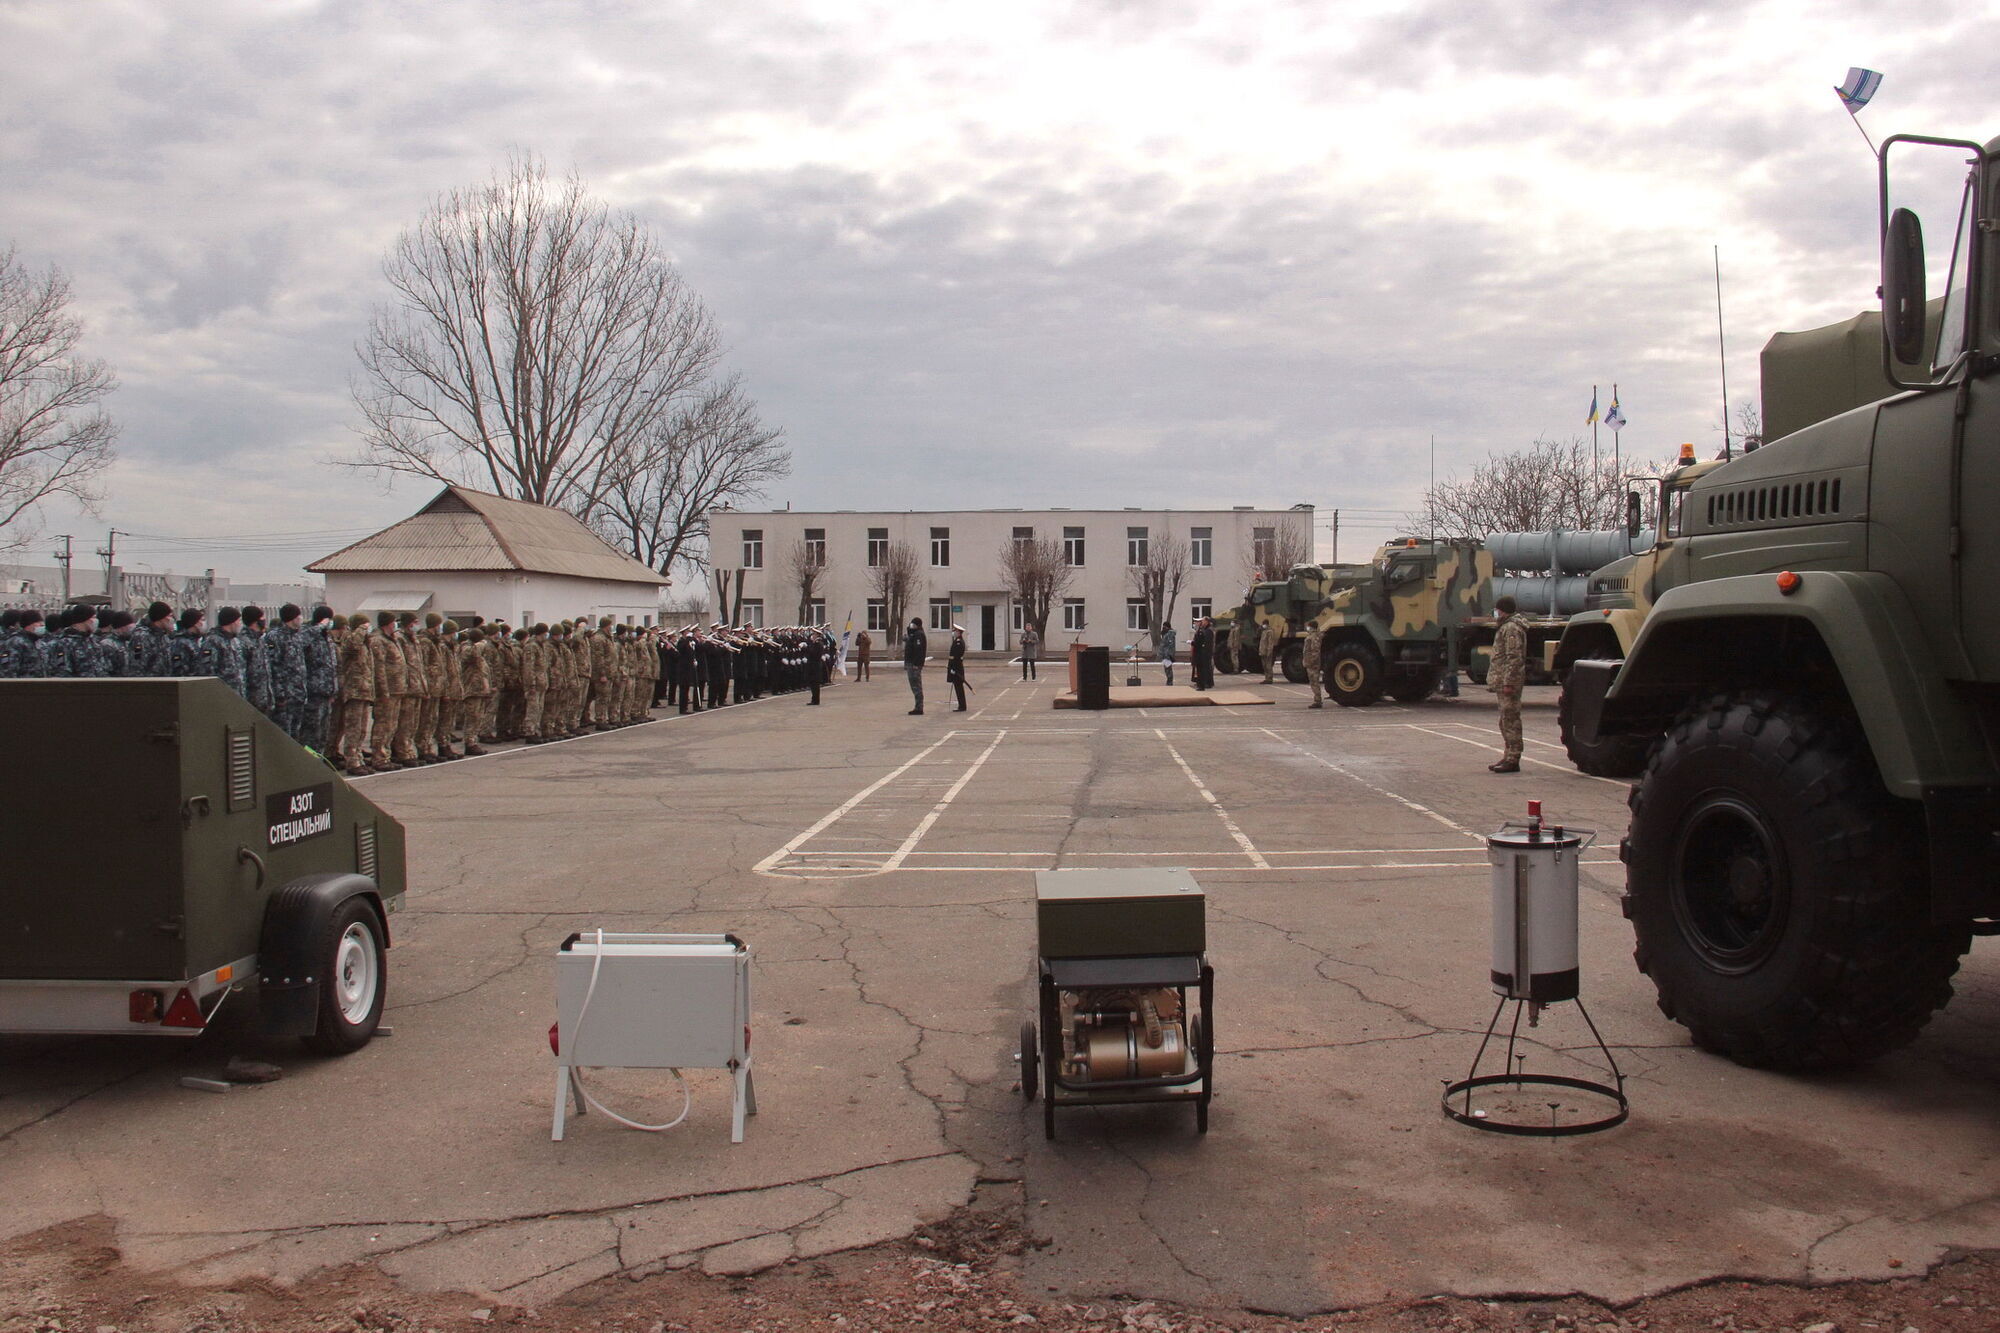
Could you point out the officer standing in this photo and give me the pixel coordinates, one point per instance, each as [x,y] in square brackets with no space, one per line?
[1267,646]
[1201,651]
[1505,677]
[915,648]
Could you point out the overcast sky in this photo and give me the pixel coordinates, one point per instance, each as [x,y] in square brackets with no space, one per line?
[1152,253]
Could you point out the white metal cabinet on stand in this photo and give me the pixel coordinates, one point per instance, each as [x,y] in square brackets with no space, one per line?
[628,1000]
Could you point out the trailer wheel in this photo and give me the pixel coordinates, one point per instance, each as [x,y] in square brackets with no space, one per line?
[1292,660]
[1353,674]
[1414,689]
[353,980]
[1778,892]
[1616,756]
[1031,1057]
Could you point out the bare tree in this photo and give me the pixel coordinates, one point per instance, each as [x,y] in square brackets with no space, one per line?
[1034,571]
[711,452]
[806,563]
[897,581]
[1747,433]
[54,437]
[534,335]
[1550,484]
[1273,550]
[1160,579]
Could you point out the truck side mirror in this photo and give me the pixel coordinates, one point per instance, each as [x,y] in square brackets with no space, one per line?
[1903,287]
[1635,518]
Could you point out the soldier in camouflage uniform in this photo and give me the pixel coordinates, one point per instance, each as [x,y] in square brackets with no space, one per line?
[21,650]
[318,642]
[285,658]
[475,677]
[534,682]
[1505,677]
[256,663]
[451,690]
[148,643]
[76,651]
[392,672]
[1312,650]
[1267,646]
[222,652]
[184,644]
[116,641]
[355,674]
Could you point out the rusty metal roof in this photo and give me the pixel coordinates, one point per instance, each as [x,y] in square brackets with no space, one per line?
[471,530]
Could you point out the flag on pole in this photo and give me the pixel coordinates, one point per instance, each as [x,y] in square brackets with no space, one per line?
[1591,420]
[846,637]
[1613,417]
[1860,86]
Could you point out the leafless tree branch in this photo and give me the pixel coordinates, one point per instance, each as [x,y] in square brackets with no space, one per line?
[55,439]
[1034,571]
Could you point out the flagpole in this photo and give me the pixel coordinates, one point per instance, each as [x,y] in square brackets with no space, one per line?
[1595,466]
[1617,459]
[1873,151]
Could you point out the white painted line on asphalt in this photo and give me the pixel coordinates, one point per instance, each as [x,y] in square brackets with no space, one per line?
[1404,801]
[1249,848]
[869,870]
[764,866]
[909,844]
[1540,763]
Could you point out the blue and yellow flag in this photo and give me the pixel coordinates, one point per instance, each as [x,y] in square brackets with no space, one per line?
[1591,420]
[1860,86]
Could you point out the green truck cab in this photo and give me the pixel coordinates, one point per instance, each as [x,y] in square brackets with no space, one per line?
[1811,845]
[171,846]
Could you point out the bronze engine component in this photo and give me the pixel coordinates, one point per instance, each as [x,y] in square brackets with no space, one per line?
[1123,1034]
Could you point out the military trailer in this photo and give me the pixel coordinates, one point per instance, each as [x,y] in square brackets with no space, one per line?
[1810,850]
[171,847]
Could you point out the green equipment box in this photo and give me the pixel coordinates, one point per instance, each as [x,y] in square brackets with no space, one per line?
[170,844]
[1119,913]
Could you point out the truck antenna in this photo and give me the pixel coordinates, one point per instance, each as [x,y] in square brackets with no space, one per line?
[1722,354]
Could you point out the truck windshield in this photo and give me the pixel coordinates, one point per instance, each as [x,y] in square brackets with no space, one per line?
[1951,333]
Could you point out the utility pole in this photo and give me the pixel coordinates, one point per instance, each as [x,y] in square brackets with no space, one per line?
[63,557]
[109,553]
[1334,554]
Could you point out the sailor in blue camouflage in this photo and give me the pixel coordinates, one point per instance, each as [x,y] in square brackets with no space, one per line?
[256,663]
[21,650]
[184,644]
[149,642]
[322,656]
[75,652]
[285,656]
[222,651]
[115,640]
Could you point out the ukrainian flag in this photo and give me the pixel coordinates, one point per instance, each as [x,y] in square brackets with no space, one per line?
[1591,420]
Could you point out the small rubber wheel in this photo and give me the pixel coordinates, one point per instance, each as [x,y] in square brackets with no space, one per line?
[1031,1062]
[353,980]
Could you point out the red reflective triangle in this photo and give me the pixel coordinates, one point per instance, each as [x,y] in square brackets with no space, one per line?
[184,1012]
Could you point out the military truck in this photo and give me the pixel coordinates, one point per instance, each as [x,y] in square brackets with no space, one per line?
[171,847]
[1810,849]
[1289,603]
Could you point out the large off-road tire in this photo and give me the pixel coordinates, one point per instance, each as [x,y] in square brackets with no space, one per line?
[1414,689]
[1225,657]
[353,979]
[1778,892]
[1621,756]
[1352,674]
[1292,659]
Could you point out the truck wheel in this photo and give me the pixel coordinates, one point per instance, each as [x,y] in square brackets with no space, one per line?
[1778,893]
[1611,756]
[352,980]
[1353,675]
[1225,659]
[1292,659]
[1414,689]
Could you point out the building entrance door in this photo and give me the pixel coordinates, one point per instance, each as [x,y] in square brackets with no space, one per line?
[986,616]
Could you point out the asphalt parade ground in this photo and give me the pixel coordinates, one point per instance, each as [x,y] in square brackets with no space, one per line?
[880,867]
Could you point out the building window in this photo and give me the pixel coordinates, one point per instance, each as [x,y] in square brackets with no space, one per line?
[1200,607]
[816,611]
[940,613]
[1073,614]
[878,547]
[750,611]
[753,548]
[816,547]
[1023,537]
[1020,616]
[1073,547]
[1264,547]
[1201,547]
[940,547]
[1135,547]
[878,613]
[1136,617]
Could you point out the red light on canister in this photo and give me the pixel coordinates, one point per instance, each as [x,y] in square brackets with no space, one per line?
[1788,583]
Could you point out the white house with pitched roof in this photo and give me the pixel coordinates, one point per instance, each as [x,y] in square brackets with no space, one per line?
[468,553]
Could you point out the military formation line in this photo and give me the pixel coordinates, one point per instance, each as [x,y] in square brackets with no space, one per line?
[403,690]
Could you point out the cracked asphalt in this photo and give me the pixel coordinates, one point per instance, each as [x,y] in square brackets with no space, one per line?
[879,865]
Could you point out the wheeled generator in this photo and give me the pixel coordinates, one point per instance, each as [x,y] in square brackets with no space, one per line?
[1125,995]
[169,846]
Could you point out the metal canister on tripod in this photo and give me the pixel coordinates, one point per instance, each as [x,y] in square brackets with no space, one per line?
[1534,909]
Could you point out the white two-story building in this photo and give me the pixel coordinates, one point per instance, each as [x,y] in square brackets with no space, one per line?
[959,566]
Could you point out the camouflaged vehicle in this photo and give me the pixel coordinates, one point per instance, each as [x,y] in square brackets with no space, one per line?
[1811,844]
[1290,602]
